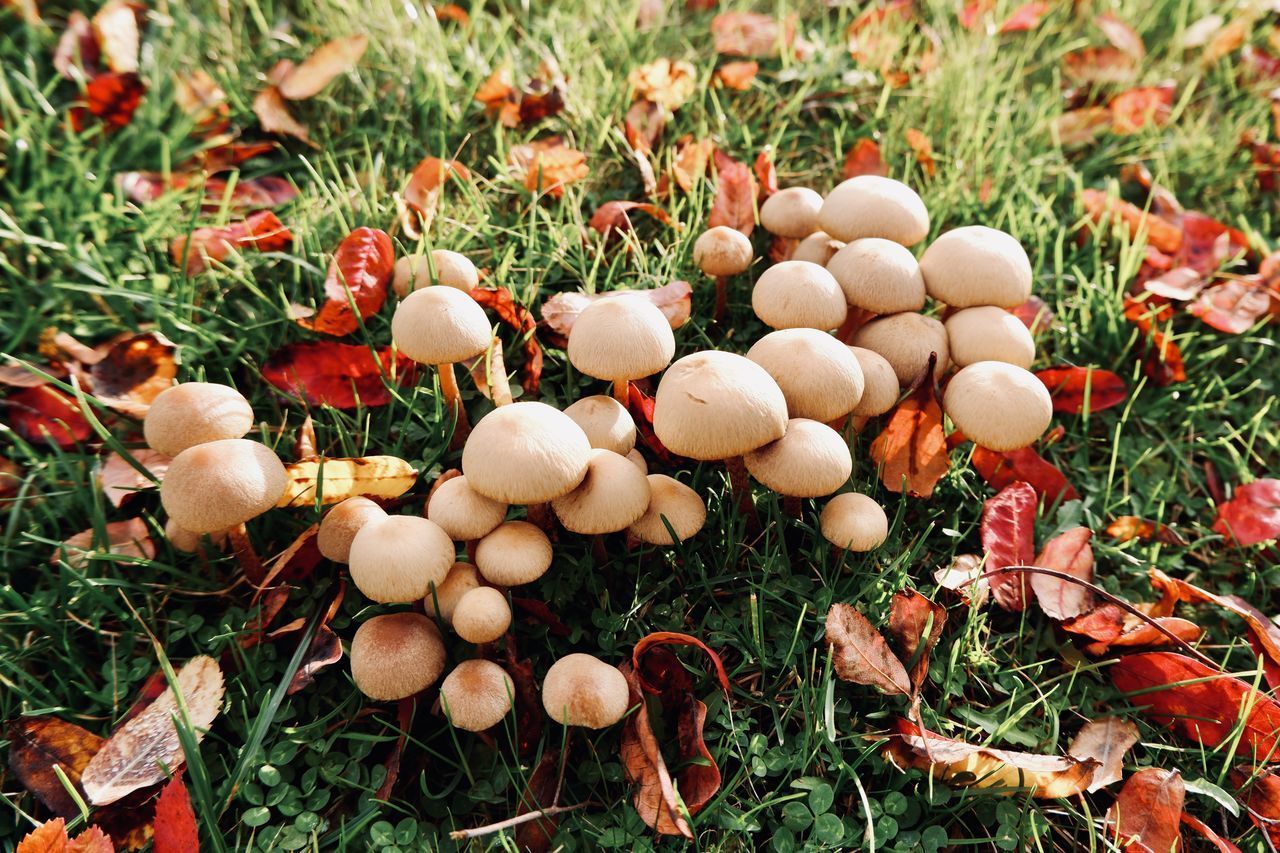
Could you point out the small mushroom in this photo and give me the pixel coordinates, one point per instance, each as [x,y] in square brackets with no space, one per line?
[515,553]
[396,655]
[878,275]
[621,338]
[462,512]
[441,267]
[607,423]
[443,597]
[999,406]
[906,341]
[880,389]
[977,265]
[987,333]
[872,206]
[810,461]
[637,459]
[476,695]
[181,539]
[674,503]
[581,690]
[194,413]
[817,248]
[722,252]
[525,453]
[341,524]
[220,485]
[791,212]
[481,615]
[399,557]
[798,295]
[854,522]
[819,377]
[610,498]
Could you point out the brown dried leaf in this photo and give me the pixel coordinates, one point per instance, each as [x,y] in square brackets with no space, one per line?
[915,624]
[129,538]
[133,370]
[665,82]
[749,34]
[736,75]
[120,481]
[1105,741]
[923,148]
[690,165]
[735,201]
[37,745]
[274,116]
[320,68]
[860,653]
[548,166]
[562,310]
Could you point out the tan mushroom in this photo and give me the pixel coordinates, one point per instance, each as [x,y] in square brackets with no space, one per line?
[194,413]
[880,390]
[977,265]
[443,597]
[462,512]
[525,453]
[987,333]
[396,655]
[621,338]
[441,326]
[879,275]
[476,695]
[791,212]
[906,341]
[605,421]
[811,460]
[817,248]
[611,497]
[854,522]
[399,557]
[997,405]
[819,377]
[441,267]
[872,206]
[220,485]
[581,690]
[181,539]
[481,615]
[798,295]
[670,503]
[341,524]
[637,459]
[515,553]
[721,252]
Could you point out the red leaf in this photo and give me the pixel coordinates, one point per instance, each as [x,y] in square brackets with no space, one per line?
[112,98]
[37,744]
[1207,243]
[1162,360]
[863,158]
[1223,845]
[671,638]
[611,219]
[1008,539]
[912,449]
[859,653]
[45,414]
[1236,305]
[359,273]
[1071,554]
[175,825]
[644,124]
[1034,314]
[261,231]
[1260,793]
[1145,815]
[423,189]
[77,51]
[915,625]
[1135,109]
[1077,389]
[640,405]
[735,202]
[520,319]
[971,14]
[766,175]
[1025,17]
[1252,515]
[328,373]
[1026,465]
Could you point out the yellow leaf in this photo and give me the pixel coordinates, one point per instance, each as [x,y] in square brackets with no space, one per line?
[336,480]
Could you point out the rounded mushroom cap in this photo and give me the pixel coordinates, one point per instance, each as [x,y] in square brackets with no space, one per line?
[680,505]
[716,405]
[635,458]
[396,655]
[621,337]
[999,406]
[476,695]
[462,512]
[440,325]
[481,615]
[192,413]
[879,275]
[880,384]
[819,377]
[341,524]
[181,539]
[722,251]
[581,690]
[451,270]
[613,495]
[791,212]
[905,341]
[525,453]
[607,423]
[515,553]
[399,557]
[219,484]
[811,460]
[987,333]
[872,206]
[798,295]
[817,248]
[462,578]
[854,522]
[977,265]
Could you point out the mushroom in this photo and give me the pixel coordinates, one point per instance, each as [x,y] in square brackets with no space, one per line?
[610,498]
[396,655]
[810,461]
[605,421]
[181,539]
[791,212]
[987,333]
[999,406]
[635,458]
[906,341]
[880,390]
[854,522]
[341,524]
[819,377]
[722,252]
[441,267]
[872,206]
[515,553]
[476,695]
[581,690]
[621,338]
[670,503]
[798,295]
[399,557]
[817,248]
[192,413]
[481,615]
[221,484]
[878,275]
[525,453]
[443,597]
[977,265]
[462,512]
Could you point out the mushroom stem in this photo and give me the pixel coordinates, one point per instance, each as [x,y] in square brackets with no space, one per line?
[453,402]
[496,375]
[792,506]
[598,552]
[741,487]
[722,297]
[622,390]
[245,553]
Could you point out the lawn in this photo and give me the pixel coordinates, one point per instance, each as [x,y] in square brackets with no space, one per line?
[969,116]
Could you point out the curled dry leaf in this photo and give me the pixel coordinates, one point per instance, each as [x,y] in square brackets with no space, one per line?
[1071,554]
[544,96]
[77,55]
[1105,741]
[133,370]
[1145,816]
[1160,233]
[356,284]
[1109,625]
[325,650]
[51,837]
[735,201]
[915,625]
[200,97]
[520,319]
[129,538]
[922,147]
[274,116]
[643,126]
[912,449]
[1123,36]
[45,414]
[176,830]
[1126,528]
[345,376]
[422,192]
[1236,305]
[965,576]
[1001,469]
[863,158]
[736,75]
[562,310]
[1099,66]
[1266,633]
[1077,128]
[111,99]
[120,481]
[262,231]
[1076,390]
[750,34]
[312,75]
[1260,793]
[861,654]
[37,745]
[691,161]
[330,481]
[665,82]
[1008,539]
[548,166]
[611,219]
[1252,515]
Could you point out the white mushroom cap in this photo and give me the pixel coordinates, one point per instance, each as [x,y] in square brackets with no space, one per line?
[987,333]
[716,405]
[879,275]
[481,615]
[193,413]
[476,695]
[341,524]
[396,655]
[791,212]
[399,557]
[621,337]
[440,325]
[811,460]
[613,495]
[525,453]
[872,206]
[581,690]
[462,578]
[181,539]
[217,485]
[817,248]
[722,251]
[905,341]
[798,294]
[880,390]
[819,377]
[672,500]
[515,553]
[635,458]
[606,422]
[451,270]
[462,512]
[977,265]
[854,522]
[998,406]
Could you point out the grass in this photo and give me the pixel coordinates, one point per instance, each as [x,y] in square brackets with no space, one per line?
[295,772]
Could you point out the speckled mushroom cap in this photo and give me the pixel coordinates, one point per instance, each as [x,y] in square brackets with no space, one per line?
[715,405]
[396,655]
[613,495]
[581,690]
[997,405]
[341,524]
[817,248]
[905,341]
[481,615]
[987,333]
[217,485]
[819,377]
[854,522]
[476,695]
[515,553]
[879,275]
[722,251]
[798,295]
[525,453]
[607,423]
[440,325]
[462,512]
[872,206]
[811,460]
[621,337]
[462,578]
[451,270]
[880,390]
[680,505]
[399,557]
[977,265]
[791,212]
[193,413]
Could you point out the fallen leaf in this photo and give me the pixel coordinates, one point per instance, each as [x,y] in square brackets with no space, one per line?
[124,539]
[863,158]
[1264,631]
[538,612]
[37,745]
[749,34]
[1252,515]
[548,166]
[665,82]
[915,625]
[912,449]
[612,218]
[1105,741]
[1123,36]
[422,191]
[274,116]
[260,231]
[528,702]
[77,55]
[735,202]
[115,26]
[1162,359]
[536,836]
[1223,845]
[519,319]
[345,376]
[1000,469]
[1260,793]
[641,407]
[1076,390]
[861,654]
[325,650]
[111,98]
[51,837]
[964,575]
[1227,40]
[1026,17]
[200,97]
[562,310]
[1161,234]
[46,415]
[356,284]
[176,830]
[1126,528]
[643,125]
[133,370]
[318,70]
[766,174]
[1135,109]
[1077,128]
[736,75]
[1069,553]
[1008,539]
[923,149]
[1034,314]
[330,481]
[1145,815]
[1099,66]
[1235,306]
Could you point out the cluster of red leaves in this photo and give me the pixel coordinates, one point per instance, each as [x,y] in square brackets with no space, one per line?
[542,97]
[1076,390]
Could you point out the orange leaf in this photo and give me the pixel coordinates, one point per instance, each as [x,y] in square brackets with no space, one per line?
[422,191]
[864,158]
[548,165]
[735,201]
[359,273]
[1135,109]
[1121,35]
[318,70]
[1145,814]
[44,414]
[736,75]
[521,320]
[611,219]
[1076,128]
[1099,65]
[133,370]
[749,34]
[261,231]
[691,161]
[644,124]
[175,823]
[1161,233]
[912,449]
[665,82]
[111,98]
[923,149]
[274,116]
[1026,17]
[1125,528]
